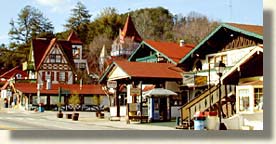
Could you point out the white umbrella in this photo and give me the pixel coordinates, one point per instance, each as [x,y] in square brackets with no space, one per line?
[159,92]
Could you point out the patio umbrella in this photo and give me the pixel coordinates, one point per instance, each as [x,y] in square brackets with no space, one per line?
[159,92]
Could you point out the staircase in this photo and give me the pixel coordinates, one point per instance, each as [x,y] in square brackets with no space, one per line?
[205,100]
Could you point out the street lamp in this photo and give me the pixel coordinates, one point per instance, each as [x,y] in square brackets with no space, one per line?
[220,68]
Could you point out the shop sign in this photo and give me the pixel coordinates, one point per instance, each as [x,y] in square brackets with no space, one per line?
[200,80]
[135,91]
[112,84]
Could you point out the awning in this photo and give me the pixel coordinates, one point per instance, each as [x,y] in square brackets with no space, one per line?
[159,92]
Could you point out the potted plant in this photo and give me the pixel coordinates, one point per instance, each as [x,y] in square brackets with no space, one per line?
[74,102]
[59,114]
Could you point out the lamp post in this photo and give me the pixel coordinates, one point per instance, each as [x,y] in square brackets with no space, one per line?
[220,68]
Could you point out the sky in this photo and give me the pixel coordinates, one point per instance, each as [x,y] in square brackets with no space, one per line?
[58,11]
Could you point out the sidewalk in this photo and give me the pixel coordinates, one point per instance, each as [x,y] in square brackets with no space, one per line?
[90,118]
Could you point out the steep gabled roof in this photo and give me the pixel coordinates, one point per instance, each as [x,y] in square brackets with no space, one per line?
[172,51]
[249,30]
[85,89]
[146,70]
[130,31]
[73,38]
[49,47]
[41,48]
[66,47]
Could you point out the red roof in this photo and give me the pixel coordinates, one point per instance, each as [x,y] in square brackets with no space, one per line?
[39,48]
[11,73]
[148,87]
[150,70]
[73,38]
[130,31]
[86,89]
[172,50]
[252,28]
[49,47]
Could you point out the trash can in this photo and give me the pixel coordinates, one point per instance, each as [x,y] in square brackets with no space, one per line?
[177,121]
[212,120]
[40,107]
[199,121]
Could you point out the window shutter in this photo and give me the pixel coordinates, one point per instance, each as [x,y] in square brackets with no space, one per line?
[52,76]
[66,77]
[43,76]
[58,76]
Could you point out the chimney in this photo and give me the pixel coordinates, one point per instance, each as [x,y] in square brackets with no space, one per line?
[181,43]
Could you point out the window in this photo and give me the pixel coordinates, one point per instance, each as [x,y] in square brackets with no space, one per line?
[47,75]
[18,76]
[215,59]
[258,98]
[82,65]
[58,58]
[55,58]
[244,99]
[62,76]
[52,58]
[76,52]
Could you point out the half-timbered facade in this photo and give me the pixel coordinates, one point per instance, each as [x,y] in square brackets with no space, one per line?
[52,61]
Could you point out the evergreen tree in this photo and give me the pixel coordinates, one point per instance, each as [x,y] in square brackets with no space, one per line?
[80,15]
[79,21]
[30,24]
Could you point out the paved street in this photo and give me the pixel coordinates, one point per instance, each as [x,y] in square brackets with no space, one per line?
[28,120]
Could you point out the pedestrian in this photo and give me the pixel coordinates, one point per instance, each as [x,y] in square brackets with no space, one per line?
[6,103]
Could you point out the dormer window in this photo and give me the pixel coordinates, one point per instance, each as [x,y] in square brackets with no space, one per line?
[18,76]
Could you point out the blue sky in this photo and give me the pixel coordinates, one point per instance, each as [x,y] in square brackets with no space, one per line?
[58,11]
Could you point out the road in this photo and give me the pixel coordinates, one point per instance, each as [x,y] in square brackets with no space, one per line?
[18,120]
[26,121]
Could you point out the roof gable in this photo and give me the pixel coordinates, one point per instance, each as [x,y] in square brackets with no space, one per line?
[43,47]
[39,47]
[255,56]
[11,73]
[47,50]
[249,30]
[73,38]
[172,51]
[130,31]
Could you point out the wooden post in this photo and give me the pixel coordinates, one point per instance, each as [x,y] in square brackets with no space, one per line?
[117,100]
[141,101]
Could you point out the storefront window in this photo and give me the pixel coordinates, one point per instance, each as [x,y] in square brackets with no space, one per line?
[55,100]
[244,99]
[258,98]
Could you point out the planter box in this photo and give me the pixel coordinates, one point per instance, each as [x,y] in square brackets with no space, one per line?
[59,115]
[75,117]
[69,116]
